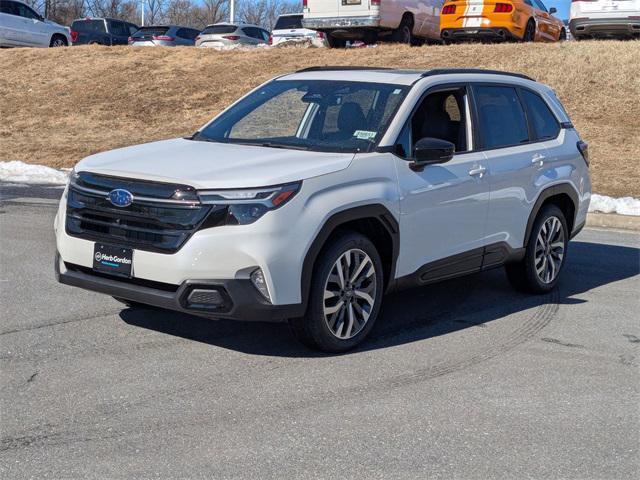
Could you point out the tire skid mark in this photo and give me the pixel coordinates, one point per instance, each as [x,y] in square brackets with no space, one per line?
[61,322]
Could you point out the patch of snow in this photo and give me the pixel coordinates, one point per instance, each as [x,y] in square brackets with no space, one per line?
[20,172]
[621,206]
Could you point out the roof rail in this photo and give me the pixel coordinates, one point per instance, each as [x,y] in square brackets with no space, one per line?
[444,71]
[338,68]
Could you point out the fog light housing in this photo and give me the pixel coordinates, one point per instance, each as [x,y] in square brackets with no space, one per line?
[258,280]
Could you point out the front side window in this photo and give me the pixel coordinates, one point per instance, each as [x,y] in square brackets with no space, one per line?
[290,22]
[440,115]
[25,11]
[119,29]
[545,125]
[501,117]
[318,115]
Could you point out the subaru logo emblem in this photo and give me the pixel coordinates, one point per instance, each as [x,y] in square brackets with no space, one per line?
[120,197]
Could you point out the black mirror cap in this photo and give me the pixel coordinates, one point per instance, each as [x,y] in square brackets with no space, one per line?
[553,10]
[430,150]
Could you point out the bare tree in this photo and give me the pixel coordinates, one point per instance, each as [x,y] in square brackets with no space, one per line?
[265,12]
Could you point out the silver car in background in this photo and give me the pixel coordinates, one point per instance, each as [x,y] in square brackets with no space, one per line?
[222,35]
[164,36]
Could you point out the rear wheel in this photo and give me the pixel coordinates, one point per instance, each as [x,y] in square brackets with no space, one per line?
[336,42]
[403,34]
[345,295]
[58,41]
[529,31]
[539,270]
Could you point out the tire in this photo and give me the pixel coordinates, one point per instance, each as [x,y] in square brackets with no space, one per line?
[404,33]
[563,35]
[339,314]
[545,256]
[58,41]
[336,42]
[529,31]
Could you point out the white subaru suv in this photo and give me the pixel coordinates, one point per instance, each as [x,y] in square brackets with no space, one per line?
[367,181]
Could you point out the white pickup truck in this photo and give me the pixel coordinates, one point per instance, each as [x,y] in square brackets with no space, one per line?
[405,21]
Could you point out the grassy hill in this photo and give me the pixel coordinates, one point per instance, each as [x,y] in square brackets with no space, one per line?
[59,105]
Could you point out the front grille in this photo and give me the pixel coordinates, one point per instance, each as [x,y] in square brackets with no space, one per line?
[153,222]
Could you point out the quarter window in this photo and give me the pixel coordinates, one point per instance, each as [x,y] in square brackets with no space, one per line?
[543,121]
[501,117]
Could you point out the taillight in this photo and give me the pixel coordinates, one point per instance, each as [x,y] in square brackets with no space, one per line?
[503,8]
[130,40]
[583,148]
[163,38]
[375,3]
[231,37]
[74,36]
[448,10]
[304,3]
[270,39]
[320,35]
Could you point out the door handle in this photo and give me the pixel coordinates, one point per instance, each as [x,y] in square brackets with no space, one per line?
[538,159]
[477,171]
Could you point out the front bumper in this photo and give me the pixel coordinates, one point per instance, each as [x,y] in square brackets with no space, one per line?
[604,27]
[234,299]
[477,33]
[330,23]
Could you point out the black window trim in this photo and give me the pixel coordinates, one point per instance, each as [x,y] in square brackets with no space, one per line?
[532,129]
[435,89]
[518,89]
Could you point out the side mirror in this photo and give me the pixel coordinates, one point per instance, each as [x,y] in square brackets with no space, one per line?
[553,10]
[429,150]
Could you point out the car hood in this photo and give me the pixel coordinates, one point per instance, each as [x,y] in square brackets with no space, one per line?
[213,165]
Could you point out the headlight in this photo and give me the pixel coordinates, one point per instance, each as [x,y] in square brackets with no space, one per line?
[245,206]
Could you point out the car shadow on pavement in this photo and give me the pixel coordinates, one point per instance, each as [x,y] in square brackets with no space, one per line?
[413,315]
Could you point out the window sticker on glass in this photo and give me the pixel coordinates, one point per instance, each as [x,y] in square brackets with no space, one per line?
[364,134]
[396,91]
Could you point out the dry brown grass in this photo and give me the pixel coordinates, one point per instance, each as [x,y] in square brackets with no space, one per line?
[59,105]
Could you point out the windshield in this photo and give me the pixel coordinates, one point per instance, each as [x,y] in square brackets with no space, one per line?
[318,115]
[289,22]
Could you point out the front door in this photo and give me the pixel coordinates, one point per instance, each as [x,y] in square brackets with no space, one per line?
[444,206]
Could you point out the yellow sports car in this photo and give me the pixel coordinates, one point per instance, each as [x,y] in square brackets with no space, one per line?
[522,20]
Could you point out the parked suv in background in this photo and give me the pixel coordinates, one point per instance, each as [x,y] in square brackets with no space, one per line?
[22,26]
[101,31]
[229,34]
[526,20]
[289,28]
[604,18]
[370,180]
[164,36]
[405,21]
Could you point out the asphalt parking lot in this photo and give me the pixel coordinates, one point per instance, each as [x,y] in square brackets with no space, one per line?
[464,379]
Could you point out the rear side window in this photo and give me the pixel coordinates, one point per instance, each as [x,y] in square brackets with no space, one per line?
[289,22]
[88,26]
[119,29]
[219,29]
[188,33]
[7,7]
[544,123]
[501,117]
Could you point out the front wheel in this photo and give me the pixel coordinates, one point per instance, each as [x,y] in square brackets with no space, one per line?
[540,269]
[563,35]
[404,33]
[345,295]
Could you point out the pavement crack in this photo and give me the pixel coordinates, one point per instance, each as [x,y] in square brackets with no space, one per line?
[32,377]
[631,338]
[559,342]
[62,322]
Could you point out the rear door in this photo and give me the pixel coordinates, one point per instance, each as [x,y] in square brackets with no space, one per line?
[119,32]
[516,160]
[26,32]
[12,25]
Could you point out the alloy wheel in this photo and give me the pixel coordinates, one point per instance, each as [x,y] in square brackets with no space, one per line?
[549,252]
[349,294]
